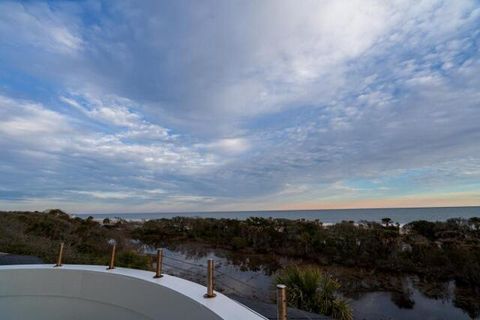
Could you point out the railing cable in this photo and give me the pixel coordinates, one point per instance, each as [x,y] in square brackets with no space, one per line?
[185,262]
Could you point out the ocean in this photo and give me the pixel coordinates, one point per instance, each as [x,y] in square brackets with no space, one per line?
[398,215]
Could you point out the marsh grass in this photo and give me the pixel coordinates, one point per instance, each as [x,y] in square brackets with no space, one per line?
[310,289]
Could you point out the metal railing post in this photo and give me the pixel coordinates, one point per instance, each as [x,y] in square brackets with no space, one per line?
[60,256]
[158,269]
[210,283]
[281,302]
[112,258]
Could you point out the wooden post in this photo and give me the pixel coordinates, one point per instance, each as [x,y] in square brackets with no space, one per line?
[281,302]
[210,283]
[158,269]
[112,259]
[60,256]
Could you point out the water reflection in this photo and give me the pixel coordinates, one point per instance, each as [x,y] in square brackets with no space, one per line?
[372,295]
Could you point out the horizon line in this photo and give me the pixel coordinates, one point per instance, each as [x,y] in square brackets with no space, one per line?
[280,210]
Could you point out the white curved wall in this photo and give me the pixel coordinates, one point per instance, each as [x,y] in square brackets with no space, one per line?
[92,292]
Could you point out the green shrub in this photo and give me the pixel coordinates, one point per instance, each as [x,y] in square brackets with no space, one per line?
[310,289]
[239,243]
[131,259]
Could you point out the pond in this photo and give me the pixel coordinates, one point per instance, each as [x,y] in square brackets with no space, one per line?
[382,305]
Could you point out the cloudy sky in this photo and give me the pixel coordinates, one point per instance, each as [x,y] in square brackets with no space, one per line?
[138,106]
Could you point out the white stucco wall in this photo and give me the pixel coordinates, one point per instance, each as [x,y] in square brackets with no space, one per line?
[43,292]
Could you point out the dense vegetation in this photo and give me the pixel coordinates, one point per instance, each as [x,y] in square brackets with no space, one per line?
[309,288]
[86,241]
[441,250]
[434,251]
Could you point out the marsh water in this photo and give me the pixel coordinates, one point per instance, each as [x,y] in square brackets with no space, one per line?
[252,277]
[371,295]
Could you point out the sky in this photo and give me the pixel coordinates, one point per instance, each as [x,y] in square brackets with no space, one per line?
[151,106]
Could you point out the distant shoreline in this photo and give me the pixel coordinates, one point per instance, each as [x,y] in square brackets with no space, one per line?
[180,213]
[398,215]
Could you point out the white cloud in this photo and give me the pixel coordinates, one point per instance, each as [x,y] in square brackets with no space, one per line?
[191,198]
[112,110]
[38,26]
[28,118]
[258,101]
[232,146]
[119,195]
[132,194]
[36,128]
[116,111]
